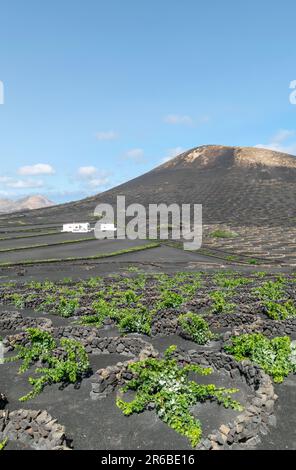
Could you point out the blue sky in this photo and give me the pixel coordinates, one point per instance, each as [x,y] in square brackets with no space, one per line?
[97,92]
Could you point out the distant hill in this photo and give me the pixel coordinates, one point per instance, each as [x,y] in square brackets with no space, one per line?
[243,185]
[26,203]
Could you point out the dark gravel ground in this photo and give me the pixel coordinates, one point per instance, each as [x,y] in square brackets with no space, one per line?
[83,417]
[100,424]
[283,436]
[75,250]
[42,240]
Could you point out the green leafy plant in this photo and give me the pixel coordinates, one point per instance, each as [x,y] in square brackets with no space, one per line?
[229,281]
[66,307]
[166,385]
[18,300]
[272,295]
[49,300]
[133,269]
[220,303]
[136,320]
[260,274]
[66,367]
[3,444]
[102,310]
[271,290]
[253,261]
[275,356]
[170,299]
[94,282]
[69,369]
[130,297]
[41,343]
[280,311]
[132,320]
[196,327]
[223,234]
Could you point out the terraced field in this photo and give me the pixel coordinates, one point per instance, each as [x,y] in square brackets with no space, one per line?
[201,359]
[138,344]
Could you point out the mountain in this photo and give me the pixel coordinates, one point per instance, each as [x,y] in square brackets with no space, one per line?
[237,185]
[26,203]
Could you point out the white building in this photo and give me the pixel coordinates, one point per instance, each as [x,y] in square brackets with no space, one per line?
[108,228]
[76,228]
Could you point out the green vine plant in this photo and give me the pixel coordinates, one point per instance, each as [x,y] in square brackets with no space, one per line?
[129,320]
[165,384]
[170,299]
[69,367]
[67,307]
[220,303]
[3,444]
[228,281]
[196,327]
[277,356]
[272,295]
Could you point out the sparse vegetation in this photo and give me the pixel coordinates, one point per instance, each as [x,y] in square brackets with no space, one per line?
[196,327]
[166,385]
[274,300]
[67,367]
[277,356]
[99,256]
[220,303]
[219,233]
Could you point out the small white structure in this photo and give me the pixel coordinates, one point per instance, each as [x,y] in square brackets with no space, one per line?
[77,228]
[108,228]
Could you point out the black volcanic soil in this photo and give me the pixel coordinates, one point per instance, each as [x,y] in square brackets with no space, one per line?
[250,191]
[85,249]
[244,186]
[83,417]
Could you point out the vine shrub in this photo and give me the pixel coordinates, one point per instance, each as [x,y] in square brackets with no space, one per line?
[277,356]
[68,367]
[67,307]
[170,299]
[196,327]
[274,300]
[165,384]
[137,320]
[280,311]
[220,302]
[129,320]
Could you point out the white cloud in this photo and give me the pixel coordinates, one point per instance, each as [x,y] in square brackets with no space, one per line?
[106,135]
[279,142]
[136,154]
[25,184]
[87,171]
[14,183]
[98,182]
[22,183]
[94,177]
[178,119]
[5,179]
[38,169]
[172,153]
[4,193]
